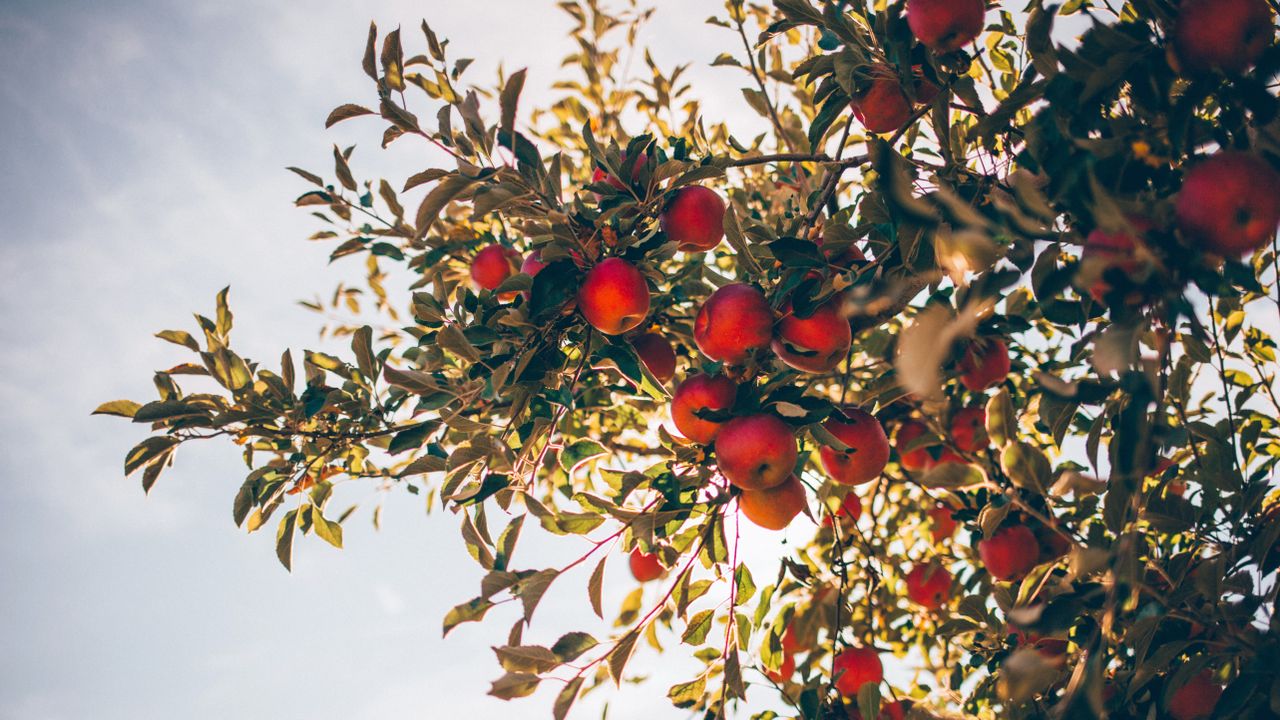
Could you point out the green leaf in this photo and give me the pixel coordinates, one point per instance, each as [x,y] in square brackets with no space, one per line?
[1002,423]
[328,530]
[571,645]
[526,658]
[695,633]
[284,539]
[178,337]
[119,408]
[470,611]
[594,588]
[514,685]
[746,586]
[582,451]
[362,347]
[686,695]
[621,653]
[345,112]
[509,98]
[564,700]
[434,203]
[147,451]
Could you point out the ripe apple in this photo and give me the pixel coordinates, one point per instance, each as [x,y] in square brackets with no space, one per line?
[656,353]
[849,511]
[868,447]
[701,392]
[1195,700]
[494,264]
[791,643]
[946,25]
[883,107]
[815,344]
[645,566]
[985,364]
[915,460]
[895,710]
[942,523]
[614,297]
[1052,544]
[599,174]
[969,429]
[784,672]
[1050,648]
[532,264]
[929,586]
[843,259]
[1010,553]
[756,452]
[1224,35]
[856,667]
[774,508]
[732,323]
[1229,204]
[694,219]
[1106,250]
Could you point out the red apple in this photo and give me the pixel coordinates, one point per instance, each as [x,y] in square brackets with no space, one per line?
[815,344]
[1229,203]
[1224,35]
[883,107]
[969,429]
[868,447]
[1105,250]
[914,460]
[849,511]
[614,297]
[735,321]
[599,174]
[774,508]
[856,667]
[701,392]
[1010,553]
[1195,700]
[784,672]
[532,264]
[985,364]
[756,452]
[895,710]
[493,265]
[694,219]
[1053,545]
[844,259]
[942,523]
[929,586]
[946,25]
[657,354]
[645,566]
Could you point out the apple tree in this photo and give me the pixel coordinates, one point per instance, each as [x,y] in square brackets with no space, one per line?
[984,322]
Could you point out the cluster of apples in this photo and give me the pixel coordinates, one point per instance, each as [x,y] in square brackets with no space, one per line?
[884,103]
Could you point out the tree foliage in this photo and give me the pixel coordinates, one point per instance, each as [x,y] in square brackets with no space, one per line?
[1114,486]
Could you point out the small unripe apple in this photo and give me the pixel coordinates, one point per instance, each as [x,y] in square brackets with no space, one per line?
[985,364]
[756,452]
[918,459]
[969,429]
[694,219]
[815,344]
[856,667]
[656,353]
[614,297]
[942,523]
[1229,204]
[735,321]
[1010,553]
[645,566]
[1197,699]
[883,107]
[774,508]
[494,264]
[1224,35]
[946,25]
[701,392]
[929,586]
[868,447]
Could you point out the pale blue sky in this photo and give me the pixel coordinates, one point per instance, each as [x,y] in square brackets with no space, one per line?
[143,155]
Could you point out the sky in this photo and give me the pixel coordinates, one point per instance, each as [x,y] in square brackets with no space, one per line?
[144,155]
